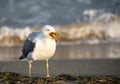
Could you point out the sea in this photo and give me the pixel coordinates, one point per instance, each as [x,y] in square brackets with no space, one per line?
[90,29]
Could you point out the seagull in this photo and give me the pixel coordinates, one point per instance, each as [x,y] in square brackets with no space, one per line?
[40,46]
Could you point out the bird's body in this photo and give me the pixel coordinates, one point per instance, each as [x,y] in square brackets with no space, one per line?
[44,49]
[40,46]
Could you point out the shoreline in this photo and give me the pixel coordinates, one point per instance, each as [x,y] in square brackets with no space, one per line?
[76,51]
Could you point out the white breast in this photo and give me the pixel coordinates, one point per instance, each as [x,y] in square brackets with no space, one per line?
[44,49]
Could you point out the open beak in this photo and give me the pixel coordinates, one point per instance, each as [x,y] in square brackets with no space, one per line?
[55,35]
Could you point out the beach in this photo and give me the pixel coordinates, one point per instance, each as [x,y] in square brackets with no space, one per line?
[88,51]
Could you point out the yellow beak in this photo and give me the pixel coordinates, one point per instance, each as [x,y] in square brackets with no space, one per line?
[55,35]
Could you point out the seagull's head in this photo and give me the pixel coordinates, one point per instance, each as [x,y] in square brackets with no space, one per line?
[49,32]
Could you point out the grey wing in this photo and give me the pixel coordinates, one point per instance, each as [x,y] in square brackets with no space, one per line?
[32,36]
[28,45]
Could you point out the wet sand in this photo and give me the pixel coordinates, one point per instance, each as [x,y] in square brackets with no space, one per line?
[75,67]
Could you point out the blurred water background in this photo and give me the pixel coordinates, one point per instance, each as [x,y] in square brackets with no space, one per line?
[90,28]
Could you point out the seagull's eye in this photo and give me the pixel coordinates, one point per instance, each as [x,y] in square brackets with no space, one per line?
[48,30]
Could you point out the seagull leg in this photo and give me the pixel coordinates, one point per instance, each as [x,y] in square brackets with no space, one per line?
[30,67]
[47,68]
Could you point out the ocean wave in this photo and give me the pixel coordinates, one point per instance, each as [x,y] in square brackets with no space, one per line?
[103,28]
[13,37]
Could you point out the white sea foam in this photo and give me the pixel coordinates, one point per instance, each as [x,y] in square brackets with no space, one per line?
[91,14]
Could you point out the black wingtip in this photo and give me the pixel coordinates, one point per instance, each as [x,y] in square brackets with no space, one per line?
[21,57]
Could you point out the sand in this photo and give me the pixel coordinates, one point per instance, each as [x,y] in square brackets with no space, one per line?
[15,78]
